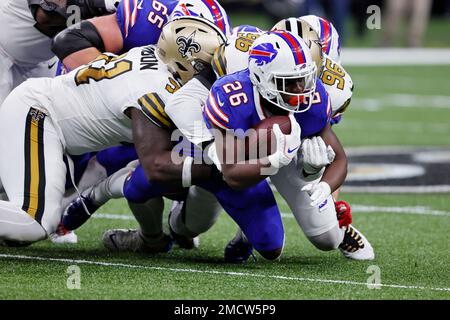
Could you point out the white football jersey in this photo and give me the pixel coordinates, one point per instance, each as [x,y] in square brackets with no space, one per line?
[19,39]
[337,83]
[88,103]
[233,56]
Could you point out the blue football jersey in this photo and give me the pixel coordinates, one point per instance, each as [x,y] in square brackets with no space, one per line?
[141,21]
[234,103]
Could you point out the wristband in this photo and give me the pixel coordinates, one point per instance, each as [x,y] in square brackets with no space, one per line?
[186,175]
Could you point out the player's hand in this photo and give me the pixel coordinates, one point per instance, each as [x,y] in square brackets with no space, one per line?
[318,192]
[287,144]
[316,155]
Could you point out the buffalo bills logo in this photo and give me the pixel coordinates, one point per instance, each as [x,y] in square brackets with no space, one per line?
[263,53]
[187,46]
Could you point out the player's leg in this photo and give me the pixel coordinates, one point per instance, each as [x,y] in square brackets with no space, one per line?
[32,171]
[99,178]
[146,203]
[192,217]
[320,224]
[256,213]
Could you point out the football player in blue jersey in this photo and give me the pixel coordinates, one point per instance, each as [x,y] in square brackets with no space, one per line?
[265,233]
[282,80]
[136,23]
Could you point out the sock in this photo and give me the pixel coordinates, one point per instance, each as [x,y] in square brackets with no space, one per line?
[177,220]
[111,187]
[149,215]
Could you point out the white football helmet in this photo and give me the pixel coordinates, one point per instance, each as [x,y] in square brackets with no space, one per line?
[208,9]
[283,71]
[329,37]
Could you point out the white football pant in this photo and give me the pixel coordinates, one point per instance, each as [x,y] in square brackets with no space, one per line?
[32,168]
[318,223]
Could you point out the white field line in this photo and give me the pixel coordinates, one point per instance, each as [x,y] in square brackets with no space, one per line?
[394,56]
[356,208]
[402,101]
[397,189]
[234,274]
[401,126]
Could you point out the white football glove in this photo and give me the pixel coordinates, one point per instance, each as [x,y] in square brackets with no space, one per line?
[287,144]
[318,192]
[316,155]
[211,153]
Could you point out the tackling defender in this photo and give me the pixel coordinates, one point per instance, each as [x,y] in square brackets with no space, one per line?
[44,120]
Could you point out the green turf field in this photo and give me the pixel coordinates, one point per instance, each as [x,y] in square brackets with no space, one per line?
[412,244]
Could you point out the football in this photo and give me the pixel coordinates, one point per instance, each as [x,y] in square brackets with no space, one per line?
[261,140]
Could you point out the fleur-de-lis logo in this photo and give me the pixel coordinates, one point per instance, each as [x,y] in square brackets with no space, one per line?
[36,115]
[187,46]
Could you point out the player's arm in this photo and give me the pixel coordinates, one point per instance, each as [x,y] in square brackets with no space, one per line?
[335,169]
[336,172]
[238,173]
[53,13]
[154,147]
[84,41]
[184,107]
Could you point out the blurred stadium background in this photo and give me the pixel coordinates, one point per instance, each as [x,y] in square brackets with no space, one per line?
[397,133]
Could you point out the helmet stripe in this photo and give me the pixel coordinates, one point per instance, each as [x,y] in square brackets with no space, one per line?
[218,16]
[325,35]
[295,46]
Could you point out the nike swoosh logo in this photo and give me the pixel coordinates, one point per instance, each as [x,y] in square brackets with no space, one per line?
[51,65]
[139,6]
[290,151]
[220,102]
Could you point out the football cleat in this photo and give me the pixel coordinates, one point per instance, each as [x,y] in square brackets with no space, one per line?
[62,236]
[344,213]
[184,242]
[130,240]
[76,214]
[355,245]
[239,249]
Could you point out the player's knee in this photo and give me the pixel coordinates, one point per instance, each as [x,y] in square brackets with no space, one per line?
[269,246]
[327,241]
[271,254]
[135,194]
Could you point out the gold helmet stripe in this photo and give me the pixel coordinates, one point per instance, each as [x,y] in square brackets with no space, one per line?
[219,62]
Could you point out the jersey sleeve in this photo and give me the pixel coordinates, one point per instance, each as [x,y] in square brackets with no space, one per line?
[318,116]
[216,110]
[230,104]
[141,21]
[153,106]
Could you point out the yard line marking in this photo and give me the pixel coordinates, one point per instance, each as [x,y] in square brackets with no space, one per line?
[113,216]
[228,273]
[402,101]
[395,56]
[401,210]
[397,189]
[358,208]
